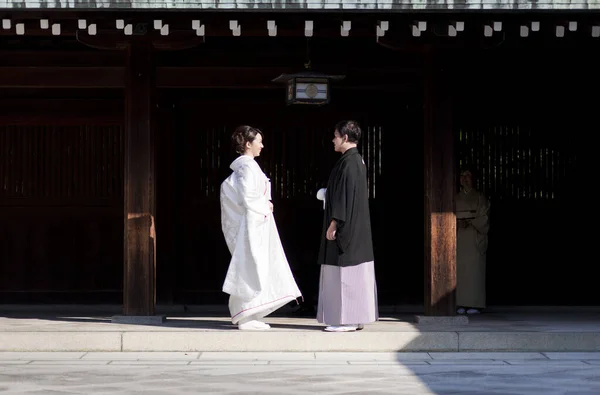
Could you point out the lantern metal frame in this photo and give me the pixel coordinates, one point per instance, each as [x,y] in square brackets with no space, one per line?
[308,87]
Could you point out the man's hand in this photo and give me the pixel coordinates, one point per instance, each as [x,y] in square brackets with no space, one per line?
[330,235]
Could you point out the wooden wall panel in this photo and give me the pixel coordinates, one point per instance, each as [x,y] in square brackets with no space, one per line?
[61,212]
[50,162]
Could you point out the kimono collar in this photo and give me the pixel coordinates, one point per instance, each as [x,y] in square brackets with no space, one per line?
[350,151]
[240,161]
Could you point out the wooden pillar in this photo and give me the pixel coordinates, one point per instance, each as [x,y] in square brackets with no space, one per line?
[139,290]
[440,218]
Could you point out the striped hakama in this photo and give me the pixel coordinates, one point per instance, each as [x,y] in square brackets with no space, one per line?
[347,295]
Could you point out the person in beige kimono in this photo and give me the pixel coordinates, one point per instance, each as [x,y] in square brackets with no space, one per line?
[472,209]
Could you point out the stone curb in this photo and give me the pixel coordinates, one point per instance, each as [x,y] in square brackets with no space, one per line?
[317,341]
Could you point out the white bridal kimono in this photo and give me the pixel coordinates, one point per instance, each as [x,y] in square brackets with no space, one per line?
[259,279]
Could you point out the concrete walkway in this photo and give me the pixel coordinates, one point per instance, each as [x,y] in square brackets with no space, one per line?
[495,331]
[299,373]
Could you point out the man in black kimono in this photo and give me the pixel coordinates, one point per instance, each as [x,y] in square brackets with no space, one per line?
[347,287]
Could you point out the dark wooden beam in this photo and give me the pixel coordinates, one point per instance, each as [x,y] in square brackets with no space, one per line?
[32,107]
[62,77]
[139,294]
[261,77]
[291,24]
[190,77]
[440,218]
[61,58]
[216,25]
[251,53]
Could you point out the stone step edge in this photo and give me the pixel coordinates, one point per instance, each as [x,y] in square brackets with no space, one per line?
[364,341]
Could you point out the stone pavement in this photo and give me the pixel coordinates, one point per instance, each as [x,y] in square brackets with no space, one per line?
[494,331]
[118,373]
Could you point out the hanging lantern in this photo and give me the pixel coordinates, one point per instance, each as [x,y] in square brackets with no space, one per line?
[308,87]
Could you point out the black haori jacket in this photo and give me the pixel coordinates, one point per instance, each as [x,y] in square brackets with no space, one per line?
[347,201]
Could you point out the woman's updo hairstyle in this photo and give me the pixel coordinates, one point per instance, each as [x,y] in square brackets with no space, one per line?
[243,134]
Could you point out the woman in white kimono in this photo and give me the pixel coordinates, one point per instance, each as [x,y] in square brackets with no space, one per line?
[259,279]
[472,209]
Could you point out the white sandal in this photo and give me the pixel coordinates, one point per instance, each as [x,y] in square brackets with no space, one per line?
[341,328]
[254,326]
